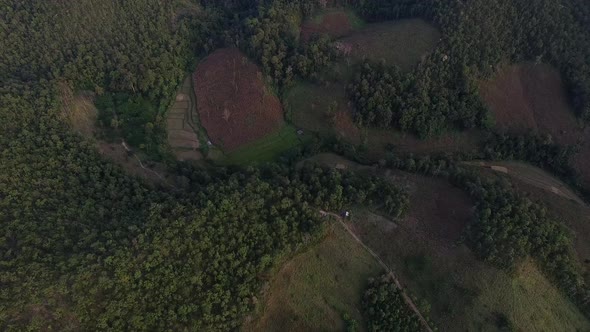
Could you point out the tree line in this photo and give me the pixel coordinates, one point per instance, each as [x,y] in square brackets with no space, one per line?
[508,226]
[385,308]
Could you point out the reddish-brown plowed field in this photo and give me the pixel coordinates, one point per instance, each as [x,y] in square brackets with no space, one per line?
[529,96]
[333,24]
[233,103]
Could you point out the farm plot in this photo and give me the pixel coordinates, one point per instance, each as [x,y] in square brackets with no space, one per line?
[530,96]
[533,97]
[78,110]
[234,105]
[402,43]
[182,125]
[333,23]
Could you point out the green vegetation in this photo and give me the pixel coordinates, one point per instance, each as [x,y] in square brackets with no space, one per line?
[477,38]
[85,246]
[315,290]
[383,97]
[509,227]
[272,39]
[386,309]
[538,150]
[135,117]
[309,106]
[267,149]
[106,48]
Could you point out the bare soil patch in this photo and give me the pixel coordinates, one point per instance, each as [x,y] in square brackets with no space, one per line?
[402,43]
[334,24]
[380,139]
[233,103]
[531,175]
[311,106]
[530,96]
[533,97]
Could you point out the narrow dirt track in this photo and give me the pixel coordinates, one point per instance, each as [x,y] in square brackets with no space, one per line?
[531,175]
[145,168]
[380,261]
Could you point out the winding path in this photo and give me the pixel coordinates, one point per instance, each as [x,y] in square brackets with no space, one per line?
[531,175]
[382,263]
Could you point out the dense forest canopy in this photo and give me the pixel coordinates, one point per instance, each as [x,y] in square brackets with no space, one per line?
[87,247]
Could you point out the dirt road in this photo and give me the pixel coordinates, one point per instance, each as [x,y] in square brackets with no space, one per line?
[380,261]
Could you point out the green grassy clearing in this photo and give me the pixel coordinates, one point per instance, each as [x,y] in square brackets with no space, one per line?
[308,105]
[402,43]
[314,290]
[265,149]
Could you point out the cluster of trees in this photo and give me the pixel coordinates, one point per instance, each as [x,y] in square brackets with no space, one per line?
[539,150]
[134,118]
[106,47]
[384,97]
[509,227]
[271,37]
[385,308]
[478,37]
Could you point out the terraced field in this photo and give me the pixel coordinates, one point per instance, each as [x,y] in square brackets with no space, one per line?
[182,125]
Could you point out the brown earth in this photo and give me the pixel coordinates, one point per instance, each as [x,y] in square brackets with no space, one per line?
[534,97]
[437,208]
[233,103]
[380,139]
[402,42]
[333,24]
